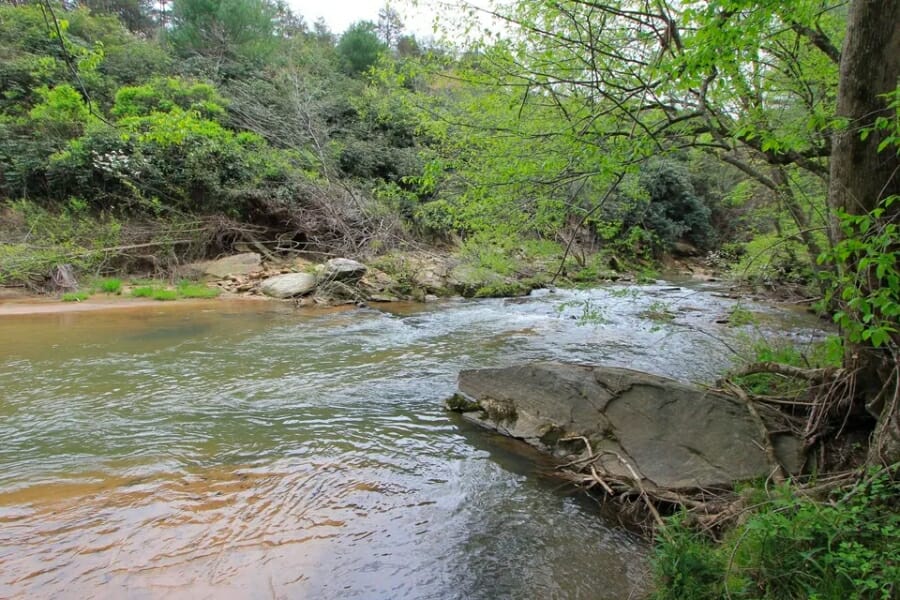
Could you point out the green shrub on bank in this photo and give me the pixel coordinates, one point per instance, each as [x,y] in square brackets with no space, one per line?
[111,285]
[184,289]
[826,353]
[791,547]
[144,291]
[34,239]
[188,289]
[164,295]
[75,296]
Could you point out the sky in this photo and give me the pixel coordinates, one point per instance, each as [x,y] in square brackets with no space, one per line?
[339,14]
[418,15]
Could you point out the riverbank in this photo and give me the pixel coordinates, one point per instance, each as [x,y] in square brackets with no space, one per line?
[41,305]
[254,439]
[419,276]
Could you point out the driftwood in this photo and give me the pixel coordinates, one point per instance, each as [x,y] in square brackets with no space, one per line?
[62,278]
[811,417]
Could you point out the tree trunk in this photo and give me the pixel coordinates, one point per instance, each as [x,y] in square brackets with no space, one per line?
[861,177]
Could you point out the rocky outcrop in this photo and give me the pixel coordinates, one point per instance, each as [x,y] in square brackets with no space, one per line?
[288,285]
[673,435]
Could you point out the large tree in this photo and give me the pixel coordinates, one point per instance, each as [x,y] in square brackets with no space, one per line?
[865,173]
[751,82]
[761,85]
[228,34]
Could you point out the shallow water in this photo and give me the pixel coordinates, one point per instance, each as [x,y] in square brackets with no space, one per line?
[248,450]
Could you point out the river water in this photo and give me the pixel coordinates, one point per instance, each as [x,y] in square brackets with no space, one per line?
[252,450]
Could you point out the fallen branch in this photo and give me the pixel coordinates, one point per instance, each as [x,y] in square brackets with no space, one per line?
[811,375]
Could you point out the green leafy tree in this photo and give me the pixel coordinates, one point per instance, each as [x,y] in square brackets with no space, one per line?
[232,35]
[580,94]
[673,211]
[360,48]
[136,15]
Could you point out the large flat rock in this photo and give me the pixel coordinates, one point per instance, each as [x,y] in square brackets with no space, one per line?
[237,264]
[675,435]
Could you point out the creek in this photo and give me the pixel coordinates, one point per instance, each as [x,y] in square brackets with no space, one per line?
[249,449]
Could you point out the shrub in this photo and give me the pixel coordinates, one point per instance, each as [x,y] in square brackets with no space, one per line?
[33,239]
[792,547]
[187,289]
[164,295]
[110,286]
[664,204]
[75,296]
[164,94]
[145,291]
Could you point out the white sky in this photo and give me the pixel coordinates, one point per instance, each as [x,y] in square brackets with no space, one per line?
[339,14]
[418,15]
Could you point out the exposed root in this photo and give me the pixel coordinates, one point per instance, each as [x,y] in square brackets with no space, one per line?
[811,375]
[826,412]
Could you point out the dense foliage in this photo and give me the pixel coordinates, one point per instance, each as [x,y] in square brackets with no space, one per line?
[145,133]
[791,547]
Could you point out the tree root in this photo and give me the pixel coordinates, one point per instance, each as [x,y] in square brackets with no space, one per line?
[817,417]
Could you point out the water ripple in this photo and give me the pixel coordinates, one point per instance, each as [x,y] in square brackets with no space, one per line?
[258,452]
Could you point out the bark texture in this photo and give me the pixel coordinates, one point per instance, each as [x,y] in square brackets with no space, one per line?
[861,177]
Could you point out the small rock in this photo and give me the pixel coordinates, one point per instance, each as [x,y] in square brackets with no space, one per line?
[289,285]
[431,298]
[343,269]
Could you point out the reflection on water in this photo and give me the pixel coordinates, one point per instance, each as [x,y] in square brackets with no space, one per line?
[250,450]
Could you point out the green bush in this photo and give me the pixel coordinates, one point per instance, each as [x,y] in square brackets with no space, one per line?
[187,162]
[664,205]
[773,257]
[144,291]
[791,547]
[827,353]
[110,286]
[164,94]
[75,296]
[34,239]
[164,295]
[360,48]
[188,289]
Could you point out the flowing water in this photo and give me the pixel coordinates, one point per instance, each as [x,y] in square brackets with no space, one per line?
[252,450]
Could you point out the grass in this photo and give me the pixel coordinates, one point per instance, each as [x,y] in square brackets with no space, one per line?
[647,276]
[188,289]
[184,289]
[740,316]
[659,311]
[110,285]
[591,313]
[145,291]
[826,353]
[789,546]
[75,296]
[164,295]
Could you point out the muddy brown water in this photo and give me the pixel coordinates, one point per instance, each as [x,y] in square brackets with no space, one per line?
[251,450]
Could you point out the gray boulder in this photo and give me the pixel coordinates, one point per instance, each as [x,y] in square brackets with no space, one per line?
[673,435]
[343,269]
[685,249]
[288,285]
[237,264]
